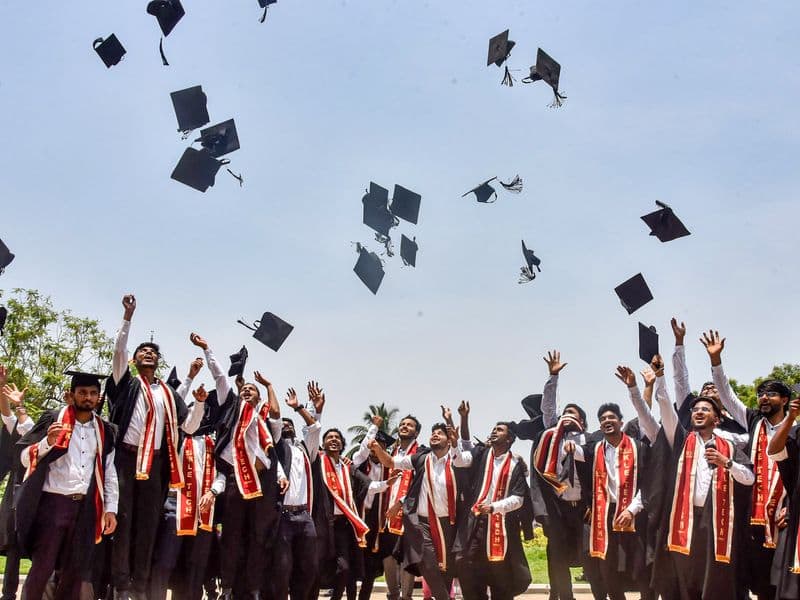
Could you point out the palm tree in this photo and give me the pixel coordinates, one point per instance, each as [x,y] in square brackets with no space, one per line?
[389,426]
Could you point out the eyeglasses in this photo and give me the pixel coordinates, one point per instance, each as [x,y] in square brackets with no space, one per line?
[703,409]
[770,395]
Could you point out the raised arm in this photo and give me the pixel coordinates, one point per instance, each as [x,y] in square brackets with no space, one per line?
[384,458]
[777,445]
[220,379]
[119,362]
[649,377]
[195,416]
[362,454]
[647,422]
[680,373]
[272,399]
[311,430]
[714,346]
[549,408]
[669,416]
[194,368]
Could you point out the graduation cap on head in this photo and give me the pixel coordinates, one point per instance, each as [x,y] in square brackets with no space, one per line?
[197,169]
[499,50]
[80,379]
[485,191]
[238,361]
[634,293]
[405,204]
[6,256]
[549,71]
[384,438]
[168,13]
[109,50]
[172,378]
[377,215]
[531,261]
[369,269]
[408,251]
[270,330]
[3,317]
[664,224]
[648,342]
[265,5]
[191,108]
[219,139]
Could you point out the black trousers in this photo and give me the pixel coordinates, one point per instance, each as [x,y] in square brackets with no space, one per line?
[344,540]
[756,563]
[53,544]
[439,582]
[564,541]
[140,503]
[11,574]
[478,573]
[165,557]
[294,566]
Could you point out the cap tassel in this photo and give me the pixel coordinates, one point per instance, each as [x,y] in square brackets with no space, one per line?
[240,322]
[387,243]
[161,52]
[264,15]
[515,185]
[526,275]
[558,100]
[507,78]
[238,177]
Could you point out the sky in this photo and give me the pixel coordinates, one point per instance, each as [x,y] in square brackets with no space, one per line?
[694,104]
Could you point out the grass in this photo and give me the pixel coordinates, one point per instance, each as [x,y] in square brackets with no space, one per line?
[25,564]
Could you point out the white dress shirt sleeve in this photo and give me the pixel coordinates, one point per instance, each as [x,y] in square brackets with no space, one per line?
[9,421]
[311,435]
[743,474]
[549,409]
[680,375]
[194,418]
[25,426]
[120,360]
[219,484]
[460,456]
[669,418]
[220,379]
[402,462]
[185,386]
[507,504]
[782,455]
[362,454]
[647,422]
[111,486]
[275,428]
[281,474]
[636,506]
[44,448]
[728,397]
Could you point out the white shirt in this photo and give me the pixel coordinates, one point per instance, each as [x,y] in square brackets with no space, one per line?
[374,486]
[400,453]
[297,494]
[611,454]
[362,454]
[550,419]
[375,474]
[11,420]
[133,435]
[463,458]
[73,472]
[439,484]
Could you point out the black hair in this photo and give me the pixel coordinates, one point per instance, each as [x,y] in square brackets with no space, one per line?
[581,412]
[73,384]
[716,407]
[152,345]
[287,420]
[773,385]
[707,384]
[512,437]
[440,427]
[609,407]
[334,430]
[417,426]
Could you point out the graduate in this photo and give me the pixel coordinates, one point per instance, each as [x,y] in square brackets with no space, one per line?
[147,413]
[68,499]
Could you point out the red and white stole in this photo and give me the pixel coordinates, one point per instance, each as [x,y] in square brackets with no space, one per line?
[189,495]
[681,519]
[342,496]
[545,459]
[146,450]
[627,473]
[768,490]
[399,491]
[66,416]
[437,535]
[496,538]
[243,458]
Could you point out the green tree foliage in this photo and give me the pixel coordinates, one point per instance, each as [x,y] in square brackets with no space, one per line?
[40,342]
[389,415]
[788,373]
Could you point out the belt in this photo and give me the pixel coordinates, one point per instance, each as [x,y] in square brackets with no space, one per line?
[73,497]
[294,508]
[132,448]
[572,503]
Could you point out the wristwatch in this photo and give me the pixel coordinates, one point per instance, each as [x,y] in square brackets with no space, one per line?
[299,407]
[729,464]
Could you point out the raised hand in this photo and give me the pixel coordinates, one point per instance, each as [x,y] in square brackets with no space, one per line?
[447,415]
[316,395]
[649,376]
[291,399]
[678,330]
[198,341]
[3,375]
[129,304]
[377,420]
[626,376]
[554,364]
[200,394]
[463,409]
[794,409]
[452,436]
[261,379]
[239,382]
[657,364]
[14,395]
[714,345]
[194,367]
[53,432]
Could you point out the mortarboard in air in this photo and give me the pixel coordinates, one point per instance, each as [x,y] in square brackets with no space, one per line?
[532,404]
[377,215]
[549,71]
[648,342]
[80,379]
[270,330]
[109,50]
[405,204]
[265,5]
[197,169]
[634,293]
[499,50]
[172,379]
[3,317]
[369,269]
[6,257]
[168,13]
[238,361]
[384,438]
[191,108]
[664,224]
[408,251]
[531,260]
[219,139]
[485,191]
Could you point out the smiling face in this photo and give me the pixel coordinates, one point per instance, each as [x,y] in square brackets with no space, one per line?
[438,439]
[610,423]
[332,442]
[146,357]
[407,429]
[704,415]
[249,393]
[709,390]
[771,399]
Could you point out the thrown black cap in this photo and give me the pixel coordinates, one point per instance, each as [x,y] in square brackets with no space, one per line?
[168,13]
[270,330]
[369,269]
[664,224]
[484,192]
[634,293]
[532,405]
[6,256]
[265,3]
[405,204]
[384,438]
[172,379]
[546,69]
[3,317]
[80,379]
[408,251]
[109,50]
[238,361]
[648,342]
[499,49]
[191,108]
[376,210]
[530,258]
[197,169]
[219,139]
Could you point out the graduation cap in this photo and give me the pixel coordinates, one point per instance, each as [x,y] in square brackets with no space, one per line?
[648,342]
[384,438]
[80,379]
[168,13]
[270,330]
[197,169]
[549,71]
[109,50]
[532,404]
[3,317]
[485,191]
[531,261]
[499,50]
[172,379]
[405,204]
[377,215]
[6,256]
[664,224]
[265,5]
[369,269]
[634,293]
[408,251]
[238,361]
[191,108]
[219,139]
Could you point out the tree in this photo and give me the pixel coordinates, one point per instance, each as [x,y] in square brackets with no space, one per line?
[389,426]
[788,373]
[39,343]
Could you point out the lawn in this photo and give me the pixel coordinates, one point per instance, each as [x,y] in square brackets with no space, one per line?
[537,558]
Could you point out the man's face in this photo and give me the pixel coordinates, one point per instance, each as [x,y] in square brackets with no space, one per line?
[438,439]
[703,415]
[288,429]
[771,403]
[710,390]
[610,423]
[407,430]
[146,357]
[573,412]
[85,398]
[249,393]
[499,435]
[333,442]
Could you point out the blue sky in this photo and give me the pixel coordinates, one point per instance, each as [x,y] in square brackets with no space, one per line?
[691,103]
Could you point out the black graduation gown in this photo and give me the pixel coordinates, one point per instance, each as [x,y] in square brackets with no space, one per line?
[9,465]
[386,540]
[515,562]
[786,582]
[26,500]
